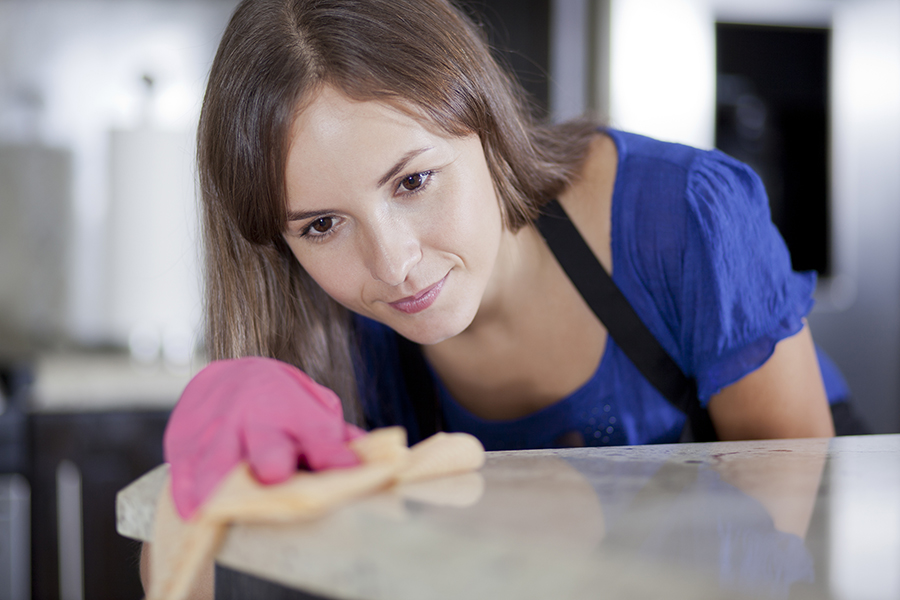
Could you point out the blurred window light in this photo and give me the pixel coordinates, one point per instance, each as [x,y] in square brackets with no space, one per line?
[662,69]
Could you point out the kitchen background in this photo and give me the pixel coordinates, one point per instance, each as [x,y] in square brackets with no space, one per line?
[99,279]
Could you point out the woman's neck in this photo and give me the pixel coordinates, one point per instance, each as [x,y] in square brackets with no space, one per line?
[533,340]
[522,263]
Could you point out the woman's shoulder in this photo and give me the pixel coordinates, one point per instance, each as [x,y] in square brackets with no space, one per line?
[657,193]
[635,147]
[588,200]
[625,166]
[699,258]
[638,147]
[669,192]
[646,164]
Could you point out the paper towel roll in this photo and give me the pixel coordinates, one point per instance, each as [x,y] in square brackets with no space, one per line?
[154,279]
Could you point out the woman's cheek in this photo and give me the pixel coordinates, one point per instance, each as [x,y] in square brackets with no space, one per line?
[337,275]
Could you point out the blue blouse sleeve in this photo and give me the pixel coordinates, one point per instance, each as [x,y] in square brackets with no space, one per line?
[739,296]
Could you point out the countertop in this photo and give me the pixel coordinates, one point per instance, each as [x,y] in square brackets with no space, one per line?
[768,519]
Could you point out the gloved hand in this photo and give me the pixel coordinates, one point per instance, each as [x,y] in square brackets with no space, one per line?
[258,410]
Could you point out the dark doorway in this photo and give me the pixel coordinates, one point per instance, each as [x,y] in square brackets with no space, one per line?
[772,113]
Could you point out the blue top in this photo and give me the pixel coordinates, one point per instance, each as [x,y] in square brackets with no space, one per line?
[696,254]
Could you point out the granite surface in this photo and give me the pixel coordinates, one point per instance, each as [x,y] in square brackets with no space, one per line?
[770,519]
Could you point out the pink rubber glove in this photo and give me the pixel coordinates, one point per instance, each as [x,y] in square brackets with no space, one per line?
[258,410]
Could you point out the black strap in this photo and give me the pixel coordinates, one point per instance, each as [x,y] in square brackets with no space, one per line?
[621,321]
[420,387]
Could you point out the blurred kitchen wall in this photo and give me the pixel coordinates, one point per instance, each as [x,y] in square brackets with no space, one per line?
[98,104]
[649,66]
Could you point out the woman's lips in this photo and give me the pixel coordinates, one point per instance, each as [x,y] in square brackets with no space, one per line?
[421,301]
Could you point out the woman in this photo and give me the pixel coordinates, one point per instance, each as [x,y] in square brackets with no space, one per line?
[370,175]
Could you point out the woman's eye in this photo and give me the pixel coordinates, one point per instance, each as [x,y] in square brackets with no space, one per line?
[414,182]
[322,224]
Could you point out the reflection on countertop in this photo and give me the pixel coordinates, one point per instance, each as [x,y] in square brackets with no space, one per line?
[768,519]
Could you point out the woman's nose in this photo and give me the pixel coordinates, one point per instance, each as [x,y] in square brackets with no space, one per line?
[394,253]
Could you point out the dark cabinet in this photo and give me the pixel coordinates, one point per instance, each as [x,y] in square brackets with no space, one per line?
[79,462]
[96,454]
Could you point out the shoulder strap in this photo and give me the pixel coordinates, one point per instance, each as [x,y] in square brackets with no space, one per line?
[621,321]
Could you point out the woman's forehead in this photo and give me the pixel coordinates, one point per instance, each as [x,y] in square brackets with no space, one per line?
[335,126]
[327,108]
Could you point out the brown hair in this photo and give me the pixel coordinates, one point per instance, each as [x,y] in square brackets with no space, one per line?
[423,56]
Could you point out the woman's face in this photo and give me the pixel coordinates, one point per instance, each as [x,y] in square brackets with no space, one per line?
[394,221]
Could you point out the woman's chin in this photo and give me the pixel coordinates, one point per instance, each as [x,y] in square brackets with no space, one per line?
[428,332]
[428,337]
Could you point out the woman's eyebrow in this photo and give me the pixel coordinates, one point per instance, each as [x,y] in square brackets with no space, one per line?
[401,164]
[296,215]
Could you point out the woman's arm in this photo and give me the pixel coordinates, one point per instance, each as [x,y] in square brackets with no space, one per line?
[785,398]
